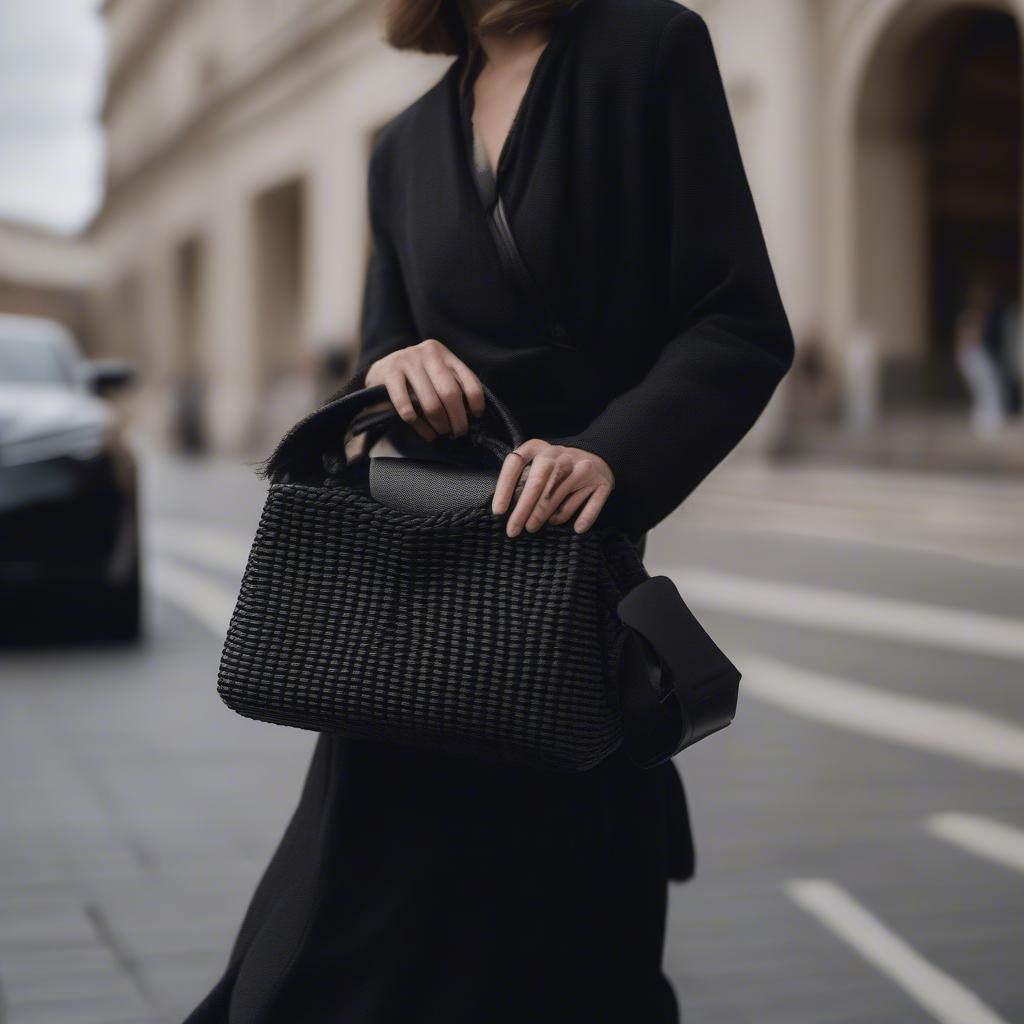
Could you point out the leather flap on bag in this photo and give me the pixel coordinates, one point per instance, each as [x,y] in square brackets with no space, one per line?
[678,685]
[427,486]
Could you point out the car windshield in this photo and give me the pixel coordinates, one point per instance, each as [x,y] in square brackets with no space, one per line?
[27,360]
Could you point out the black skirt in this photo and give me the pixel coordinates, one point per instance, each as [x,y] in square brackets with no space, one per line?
[417,888]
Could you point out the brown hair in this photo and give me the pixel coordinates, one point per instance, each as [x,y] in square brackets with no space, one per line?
[445,26]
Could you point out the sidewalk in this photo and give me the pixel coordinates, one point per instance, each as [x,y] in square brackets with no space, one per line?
[975,516]
[938,443]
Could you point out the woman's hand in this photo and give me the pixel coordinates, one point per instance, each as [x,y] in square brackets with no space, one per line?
[559,482]
[438,380]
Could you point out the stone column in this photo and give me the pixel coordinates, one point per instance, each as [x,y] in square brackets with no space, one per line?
[336,239]
[790,164]
[229,342]
[768,54]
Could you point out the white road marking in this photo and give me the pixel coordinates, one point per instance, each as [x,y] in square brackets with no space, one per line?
[939,728]
[989,839]
[208,602]
[933,990]
[946,729]
[785,523]
[860,614]
[208,545]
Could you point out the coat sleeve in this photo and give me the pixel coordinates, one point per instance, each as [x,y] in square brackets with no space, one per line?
[387,321]
[730,341]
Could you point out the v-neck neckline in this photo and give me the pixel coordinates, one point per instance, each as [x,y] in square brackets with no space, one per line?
[479,149]
[486,178]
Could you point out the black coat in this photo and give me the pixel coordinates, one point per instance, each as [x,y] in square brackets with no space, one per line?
[626,192]
[415,887]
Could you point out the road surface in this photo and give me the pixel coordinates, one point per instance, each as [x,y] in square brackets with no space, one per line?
[860,826]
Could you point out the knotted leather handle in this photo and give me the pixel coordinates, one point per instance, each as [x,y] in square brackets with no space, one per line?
[301,451]
[677,686]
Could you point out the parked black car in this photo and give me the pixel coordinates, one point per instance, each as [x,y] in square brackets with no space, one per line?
[69,536]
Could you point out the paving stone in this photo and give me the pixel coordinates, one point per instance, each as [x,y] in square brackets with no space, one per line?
[102,1010]
[44,926]
[65,986]
[19,964]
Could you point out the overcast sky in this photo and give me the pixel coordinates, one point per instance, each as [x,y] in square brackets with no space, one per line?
[51,66]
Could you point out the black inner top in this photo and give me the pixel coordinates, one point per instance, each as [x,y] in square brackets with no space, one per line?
[485,179]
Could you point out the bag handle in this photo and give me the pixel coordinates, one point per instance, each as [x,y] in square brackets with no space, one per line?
[302,450]
[677,684]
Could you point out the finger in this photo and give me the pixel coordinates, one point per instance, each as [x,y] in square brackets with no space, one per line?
[398,392]
[559,484]
[540,470]
[433,409]
[562,470]
[571,495]
[398,395]
[590,511]
[570,505]
[470,384]
[511,470]
[449,391]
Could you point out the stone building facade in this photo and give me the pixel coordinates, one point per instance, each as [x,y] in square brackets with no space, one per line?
[882,139]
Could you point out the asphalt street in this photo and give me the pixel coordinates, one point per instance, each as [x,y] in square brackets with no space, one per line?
[860,826]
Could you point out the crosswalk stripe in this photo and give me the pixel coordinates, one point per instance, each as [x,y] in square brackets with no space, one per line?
[989,839]
[859,614]
[211,546]
[937,727]
[941,728]
[782,522]
[205,600]
[946,999]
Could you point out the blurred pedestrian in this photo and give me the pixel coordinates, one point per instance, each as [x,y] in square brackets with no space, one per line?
[978,366]
[1014,348]
[812,392]
[1002,343]
[862,380]
[564,216]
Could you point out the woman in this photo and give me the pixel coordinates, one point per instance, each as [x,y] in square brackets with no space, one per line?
[644,342]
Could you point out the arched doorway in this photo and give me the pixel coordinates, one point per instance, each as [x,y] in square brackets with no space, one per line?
[937,192]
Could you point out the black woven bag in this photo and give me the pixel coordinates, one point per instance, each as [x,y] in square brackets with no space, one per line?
[383,600]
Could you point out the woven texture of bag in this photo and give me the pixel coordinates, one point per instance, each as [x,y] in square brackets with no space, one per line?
[436,631]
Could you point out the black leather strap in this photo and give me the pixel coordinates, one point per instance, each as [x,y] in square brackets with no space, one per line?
[372,420]
[322,433]
[512,260]
[677,686]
